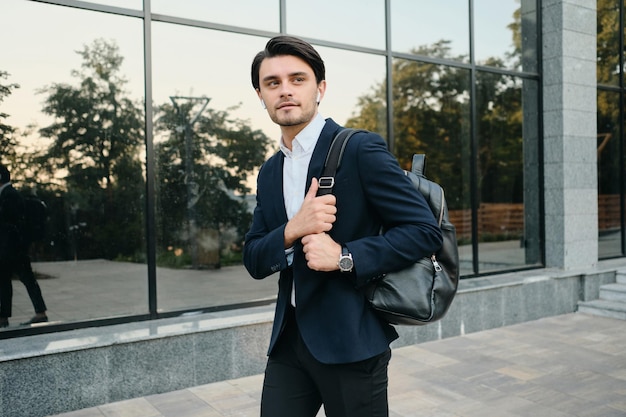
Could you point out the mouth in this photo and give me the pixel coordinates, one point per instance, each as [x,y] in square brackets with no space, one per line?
[287,104]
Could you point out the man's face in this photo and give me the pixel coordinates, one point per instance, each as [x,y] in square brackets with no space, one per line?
[288,87]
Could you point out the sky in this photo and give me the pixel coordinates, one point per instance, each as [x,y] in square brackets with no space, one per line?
[191,61]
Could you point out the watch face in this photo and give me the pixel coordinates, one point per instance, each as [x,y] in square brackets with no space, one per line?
[345,263]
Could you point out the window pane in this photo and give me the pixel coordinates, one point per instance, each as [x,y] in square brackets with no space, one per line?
[201,223]
[609,219]
[355,22]
[506,34]
[79,144]
[259,14]
[204,182]
[608,42]
[438,29]
[508,214]
[348,87]
[431,116]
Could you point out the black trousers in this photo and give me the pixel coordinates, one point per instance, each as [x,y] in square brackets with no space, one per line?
[21,266]
[296,384]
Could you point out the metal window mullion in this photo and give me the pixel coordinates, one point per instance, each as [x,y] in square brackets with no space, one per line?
[540,158]
[389,82]
[474,198]
[622,118]
[282,9]
[150,205]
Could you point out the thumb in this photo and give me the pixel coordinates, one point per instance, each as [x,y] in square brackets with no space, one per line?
[313,188]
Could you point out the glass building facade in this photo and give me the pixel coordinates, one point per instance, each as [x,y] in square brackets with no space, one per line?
[136,123]
[611,90]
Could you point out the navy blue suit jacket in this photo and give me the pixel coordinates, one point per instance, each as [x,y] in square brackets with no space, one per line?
[373,193]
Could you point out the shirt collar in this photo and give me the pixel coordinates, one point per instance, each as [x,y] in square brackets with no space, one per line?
[305,141]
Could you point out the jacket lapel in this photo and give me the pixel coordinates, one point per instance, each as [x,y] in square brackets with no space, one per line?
[273,188]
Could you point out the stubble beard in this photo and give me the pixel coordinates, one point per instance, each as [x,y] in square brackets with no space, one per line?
[292,120]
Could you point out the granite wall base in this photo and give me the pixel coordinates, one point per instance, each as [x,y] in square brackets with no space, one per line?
[67,371]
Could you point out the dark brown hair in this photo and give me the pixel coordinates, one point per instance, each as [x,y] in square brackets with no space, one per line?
[289,45]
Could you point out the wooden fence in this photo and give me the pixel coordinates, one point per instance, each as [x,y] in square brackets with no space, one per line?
[507,219]
[608,212]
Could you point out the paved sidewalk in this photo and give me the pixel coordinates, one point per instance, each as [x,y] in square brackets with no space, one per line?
[98,288]
[572,365]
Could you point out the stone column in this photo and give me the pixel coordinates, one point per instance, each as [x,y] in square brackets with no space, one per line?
[569,117]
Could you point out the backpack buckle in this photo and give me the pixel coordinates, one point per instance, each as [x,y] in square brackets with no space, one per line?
[326,182]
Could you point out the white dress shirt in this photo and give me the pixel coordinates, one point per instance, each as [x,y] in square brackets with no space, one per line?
[295,170]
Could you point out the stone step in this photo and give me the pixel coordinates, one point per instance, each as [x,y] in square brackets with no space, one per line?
[620,277]
[613,292]
[603,308]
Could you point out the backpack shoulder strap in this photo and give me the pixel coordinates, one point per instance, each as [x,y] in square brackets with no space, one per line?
[333,160]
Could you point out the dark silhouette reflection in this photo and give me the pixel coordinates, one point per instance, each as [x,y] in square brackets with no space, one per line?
[19,227]
[87,162]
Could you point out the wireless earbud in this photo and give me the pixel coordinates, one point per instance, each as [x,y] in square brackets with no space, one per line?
[263,104]
[318,98]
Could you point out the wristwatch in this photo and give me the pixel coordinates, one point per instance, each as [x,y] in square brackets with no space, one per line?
[345,260]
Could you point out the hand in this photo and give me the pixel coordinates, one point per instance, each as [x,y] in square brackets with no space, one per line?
[316,215]
[321,252]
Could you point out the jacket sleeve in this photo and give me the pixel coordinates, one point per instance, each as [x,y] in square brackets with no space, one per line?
[406,228]
[264,247]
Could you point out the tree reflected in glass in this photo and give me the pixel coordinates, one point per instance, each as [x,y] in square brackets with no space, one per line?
[204,160]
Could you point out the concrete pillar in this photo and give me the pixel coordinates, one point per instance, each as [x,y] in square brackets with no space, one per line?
[569,117]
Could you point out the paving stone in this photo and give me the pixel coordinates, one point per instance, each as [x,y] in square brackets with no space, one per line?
[566,366]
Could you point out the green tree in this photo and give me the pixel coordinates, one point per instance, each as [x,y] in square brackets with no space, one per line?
[608,34]
[500,138]
[97,137]
[431,116]
[203,167]
[608,72]
[8,142]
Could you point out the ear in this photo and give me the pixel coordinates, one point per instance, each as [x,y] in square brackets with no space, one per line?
[321,89]
[258,93]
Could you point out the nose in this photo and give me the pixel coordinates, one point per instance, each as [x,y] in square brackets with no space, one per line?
[285,90]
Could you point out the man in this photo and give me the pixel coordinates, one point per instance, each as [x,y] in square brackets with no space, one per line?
[327,345]
[14,257]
